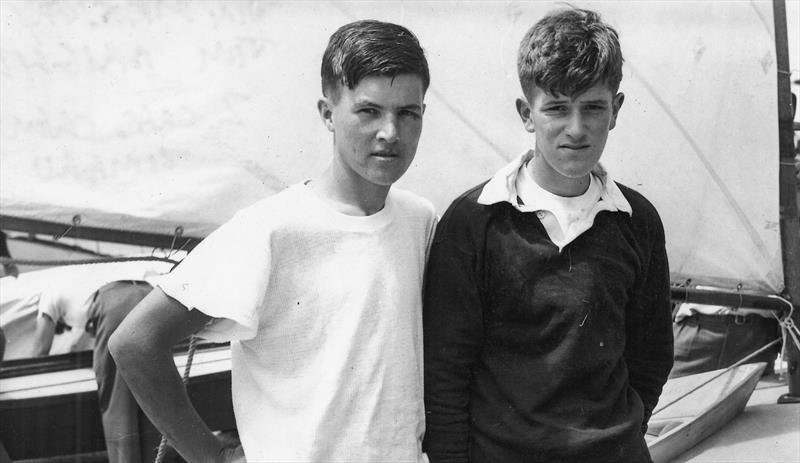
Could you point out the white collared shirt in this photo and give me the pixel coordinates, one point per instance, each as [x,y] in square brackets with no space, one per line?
[564,218]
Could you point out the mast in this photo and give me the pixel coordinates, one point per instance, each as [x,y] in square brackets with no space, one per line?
[789,221]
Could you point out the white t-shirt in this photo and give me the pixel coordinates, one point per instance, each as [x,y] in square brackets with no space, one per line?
[67,299]
[62,293]
[323,311]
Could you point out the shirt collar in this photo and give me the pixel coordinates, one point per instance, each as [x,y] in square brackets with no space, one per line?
[502,186]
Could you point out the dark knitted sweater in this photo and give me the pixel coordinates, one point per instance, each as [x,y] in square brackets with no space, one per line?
[532,354]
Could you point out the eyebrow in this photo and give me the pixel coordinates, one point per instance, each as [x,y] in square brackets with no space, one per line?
[412,106]
[363,103]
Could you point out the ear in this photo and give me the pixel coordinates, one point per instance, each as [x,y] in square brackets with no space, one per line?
[524,111]
[616,104]
[325,108]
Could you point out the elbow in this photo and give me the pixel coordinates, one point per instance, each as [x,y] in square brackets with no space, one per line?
[122,347]
[133,347]
[115,346]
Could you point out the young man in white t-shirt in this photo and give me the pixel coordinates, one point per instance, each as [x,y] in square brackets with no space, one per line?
[321,298]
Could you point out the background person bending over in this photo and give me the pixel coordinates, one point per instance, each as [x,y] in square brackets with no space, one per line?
[710,337]
[78,304]
[125,436]
[64,305]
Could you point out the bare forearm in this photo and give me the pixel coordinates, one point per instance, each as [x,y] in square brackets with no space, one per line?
[152,377]
[43,336]
[40,349]
[142,349]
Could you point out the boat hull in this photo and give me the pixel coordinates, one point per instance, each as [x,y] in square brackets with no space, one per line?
[50,414]
[693,407]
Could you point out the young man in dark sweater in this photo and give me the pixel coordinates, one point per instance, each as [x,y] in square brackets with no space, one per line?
[547,316]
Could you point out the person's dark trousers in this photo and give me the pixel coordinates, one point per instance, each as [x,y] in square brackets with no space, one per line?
[129,437]
[710,342]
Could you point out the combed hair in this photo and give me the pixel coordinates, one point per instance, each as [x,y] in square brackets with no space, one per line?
[369,47]
[568,51]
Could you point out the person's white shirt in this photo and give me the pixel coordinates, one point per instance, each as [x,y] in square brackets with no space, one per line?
[323,311]
[60,293]
[564,218]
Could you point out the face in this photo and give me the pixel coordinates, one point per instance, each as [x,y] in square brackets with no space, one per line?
[570,132]
[376,128]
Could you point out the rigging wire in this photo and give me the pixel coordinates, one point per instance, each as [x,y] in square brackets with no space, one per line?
[745,359]
[96,260]
[787,326]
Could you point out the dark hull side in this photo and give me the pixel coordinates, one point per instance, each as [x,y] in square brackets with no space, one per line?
[69,424]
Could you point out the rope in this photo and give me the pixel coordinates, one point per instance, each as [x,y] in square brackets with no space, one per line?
[96,260]
[748,357]
[162,446]
[788,326]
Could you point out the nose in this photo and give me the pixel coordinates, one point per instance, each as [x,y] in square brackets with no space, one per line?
[576,125]
[388,132]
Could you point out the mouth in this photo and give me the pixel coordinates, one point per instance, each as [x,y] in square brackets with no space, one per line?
[385,154]
[574,147]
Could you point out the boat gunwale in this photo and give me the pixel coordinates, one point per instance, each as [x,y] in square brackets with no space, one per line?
[738,394]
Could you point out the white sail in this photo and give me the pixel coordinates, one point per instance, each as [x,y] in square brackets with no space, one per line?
[145,116]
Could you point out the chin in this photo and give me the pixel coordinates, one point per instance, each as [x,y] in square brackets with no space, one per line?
[576,173]
[383,180]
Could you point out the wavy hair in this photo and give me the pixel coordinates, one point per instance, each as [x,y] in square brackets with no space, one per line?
[569,51]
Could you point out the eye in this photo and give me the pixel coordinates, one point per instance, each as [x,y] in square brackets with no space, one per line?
[368,111]
[409,113]
[556,109]
[595,107]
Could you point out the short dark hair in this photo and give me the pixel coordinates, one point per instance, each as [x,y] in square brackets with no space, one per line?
[363,48]
[568,51]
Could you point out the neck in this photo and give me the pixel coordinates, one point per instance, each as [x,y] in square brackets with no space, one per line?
[350,194]
[550,180]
